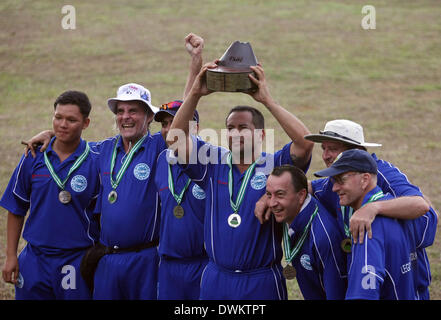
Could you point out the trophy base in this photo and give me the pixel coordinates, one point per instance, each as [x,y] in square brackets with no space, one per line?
[230,81]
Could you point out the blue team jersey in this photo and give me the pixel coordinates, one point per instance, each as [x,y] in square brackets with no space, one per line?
[320,263]
[52,224]
[250,245]
[391,180]
[179,237]
[134,218]
[380,268]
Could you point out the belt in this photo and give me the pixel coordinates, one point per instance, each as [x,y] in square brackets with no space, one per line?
[263,269]
[137,248]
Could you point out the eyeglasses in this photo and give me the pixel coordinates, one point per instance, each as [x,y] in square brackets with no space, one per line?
[171,105]
[343,178]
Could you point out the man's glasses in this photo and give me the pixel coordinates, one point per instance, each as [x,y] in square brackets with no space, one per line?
[341,179]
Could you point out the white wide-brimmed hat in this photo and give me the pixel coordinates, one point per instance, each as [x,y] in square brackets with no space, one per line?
[342,130]
[132,92]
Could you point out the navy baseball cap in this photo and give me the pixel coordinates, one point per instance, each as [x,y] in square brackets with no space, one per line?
[171,108]
[350,160]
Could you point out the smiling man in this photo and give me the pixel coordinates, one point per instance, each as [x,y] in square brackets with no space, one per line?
[244,256]
[311,236]
[407,202]
[128,200]
[383,266]
[59,188]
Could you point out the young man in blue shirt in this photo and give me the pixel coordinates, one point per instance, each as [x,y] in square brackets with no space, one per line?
[244,256]
[380,267]
[59,187]
[311,236]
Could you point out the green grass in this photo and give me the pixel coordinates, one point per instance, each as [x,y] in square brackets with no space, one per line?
[320,64]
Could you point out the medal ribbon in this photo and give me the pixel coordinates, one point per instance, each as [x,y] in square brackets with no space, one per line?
[125,164]
[291,253]
[375,197]
[171,186]
[240,196]
[76,164]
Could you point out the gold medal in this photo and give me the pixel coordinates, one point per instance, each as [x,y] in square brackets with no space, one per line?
[112,196]
[346,245]
[289,272]
[178,212]
[64,197]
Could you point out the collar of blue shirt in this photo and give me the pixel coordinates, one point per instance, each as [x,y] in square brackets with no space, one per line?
[302,218]
[78,151]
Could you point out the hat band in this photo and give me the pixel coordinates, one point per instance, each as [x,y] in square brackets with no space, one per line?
[336,135]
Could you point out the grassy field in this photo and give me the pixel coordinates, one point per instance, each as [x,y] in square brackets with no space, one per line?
[320,64]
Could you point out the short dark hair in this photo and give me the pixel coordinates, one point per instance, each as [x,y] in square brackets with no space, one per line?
[77,98]
[258,119]
[298,177]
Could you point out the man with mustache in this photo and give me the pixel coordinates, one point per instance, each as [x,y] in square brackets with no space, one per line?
[244,257]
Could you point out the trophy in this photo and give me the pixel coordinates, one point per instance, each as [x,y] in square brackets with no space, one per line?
[231,74]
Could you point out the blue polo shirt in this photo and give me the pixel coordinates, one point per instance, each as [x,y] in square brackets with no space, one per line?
[52,224]
[381,267]
[391,180]
[180,238]
[250,245]
[320,263]
[134,218]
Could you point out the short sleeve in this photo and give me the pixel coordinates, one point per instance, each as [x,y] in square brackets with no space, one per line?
[16,197]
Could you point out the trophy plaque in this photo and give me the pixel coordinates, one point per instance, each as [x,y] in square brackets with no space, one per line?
[231,74]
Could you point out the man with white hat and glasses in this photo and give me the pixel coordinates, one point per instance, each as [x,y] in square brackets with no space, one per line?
[409,203]
[383,266]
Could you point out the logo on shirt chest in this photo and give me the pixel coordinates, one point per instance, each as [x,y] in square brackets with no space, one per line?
[305,261]
[197,192]
[141,171]
[78,183]
[258,182]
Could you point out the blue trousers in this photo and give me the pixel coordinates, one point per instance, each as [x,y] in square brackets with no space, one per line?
[218,283]
[50,274]
[127,276]
[180,279]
